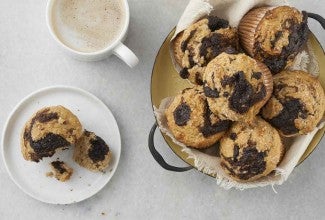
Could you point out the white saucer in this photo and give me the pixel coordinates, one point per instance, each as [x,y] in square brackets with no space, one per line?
[30,176]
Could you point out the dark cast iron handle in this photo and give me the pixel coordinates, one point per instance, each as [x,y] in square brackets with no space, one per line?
[318,18]
[157,156]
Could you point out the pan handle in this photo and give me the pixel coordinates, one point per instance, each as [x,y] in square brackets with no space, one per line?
[318,18]
[157,156]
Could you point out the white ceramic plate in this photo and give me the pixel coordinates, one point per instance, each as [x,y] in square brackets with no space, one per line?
[30,176]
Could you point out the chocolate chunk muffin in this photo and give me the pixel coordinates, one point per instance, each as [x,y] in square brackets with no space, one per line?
[49,129]
[297,104]
[274,35]
[201,42]
[60,170]
[92,152]
[237,86]
[249,152]
[191,121]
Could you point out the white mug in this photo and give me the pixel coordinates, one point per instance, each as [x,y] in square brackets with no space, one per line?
[116,47]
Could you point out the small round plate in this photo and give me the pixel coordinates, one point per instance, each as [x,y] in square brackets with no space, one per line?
[30,176]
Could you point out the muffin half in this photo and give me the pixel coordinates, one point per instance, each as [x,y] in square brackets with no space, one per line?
[49,130]
[274,35]
[297,104]
[237,86]
[92,152]
[191,122]
[249,152]
[199,43]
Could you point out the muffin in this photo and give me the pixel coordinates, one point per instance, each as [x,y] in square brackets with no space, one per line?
[60,170]
[191,122]
[249,152]
[274,35]
[91,152]
[237,86]
[297,104]
[49,130]
[201,42]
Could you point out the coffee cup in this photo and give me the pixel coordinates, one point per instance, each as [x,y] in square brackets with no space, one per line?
[91,30]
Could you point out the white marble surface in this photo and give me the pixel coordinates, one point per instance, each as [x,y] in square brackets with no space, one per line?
[140,189]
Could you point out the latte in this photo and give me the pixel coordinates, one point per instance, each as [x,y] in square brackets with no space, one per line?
[88,25]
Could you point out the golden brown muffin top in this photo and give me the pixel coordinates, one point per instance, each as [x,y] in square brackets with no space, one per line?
[191,121]
[249,152]
[201,42]
[279,36]
[236,86]
[297,104]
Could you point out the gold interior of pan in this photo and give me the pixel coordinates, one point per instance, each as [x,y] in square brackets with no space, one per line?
[166,82]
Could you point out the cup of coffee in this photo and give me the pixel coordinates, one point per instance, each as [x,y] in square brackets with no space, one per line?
[91,30]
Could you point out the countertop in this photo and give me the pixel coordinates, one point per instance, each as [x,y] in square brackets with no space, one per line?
[140,189]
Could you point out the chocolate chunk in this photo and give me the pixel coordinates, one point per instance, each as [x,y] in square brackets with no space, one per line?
[212,93]
[227,80]
[233,136]
[285,120]
[185,42]
[277,36]
[297,38]
[98,150]
[47,117]
[184,73]
[240,100]
[216,44]
[211,129]
[191,61]
[208,128]
[46,146]
[198,79]
[215,23]
[243,96]
[58,165]
[182,114]
[257,75]
[250,164]
[236,153]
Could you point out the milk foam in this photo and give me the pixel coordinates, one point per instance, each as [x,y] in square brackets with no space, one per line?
[88,25]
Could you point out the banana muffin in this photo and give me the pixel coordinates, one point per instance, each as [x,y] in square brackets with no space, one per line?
[92,152]
[49,130]
[249,152]
[297,104]
[191,121]
[274,35]
[237,86]
[201,42]
[60,170]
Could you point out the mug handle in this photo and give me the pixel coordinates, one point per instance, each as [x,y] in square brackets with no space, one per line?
[125,54]
[157,156]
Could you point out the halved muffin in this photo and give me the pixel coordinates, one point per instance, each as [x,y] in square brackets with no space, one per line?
[92,152]
[50,129]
